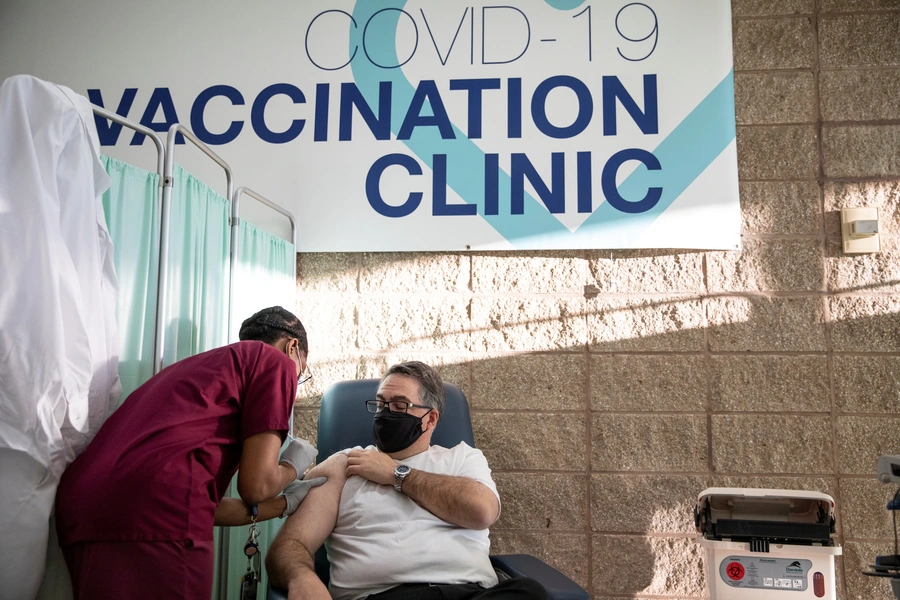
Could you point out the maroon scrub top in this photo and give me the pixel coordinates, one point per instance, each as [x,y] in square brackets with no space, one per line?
[160,464]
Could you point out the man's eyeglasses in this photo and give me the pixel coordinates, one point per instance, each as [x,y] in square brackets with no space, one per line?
[397,407]
[304,377]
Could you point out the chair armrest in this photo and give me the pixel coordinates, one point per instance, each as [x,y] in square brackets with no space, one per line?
[558,586]
[273,593]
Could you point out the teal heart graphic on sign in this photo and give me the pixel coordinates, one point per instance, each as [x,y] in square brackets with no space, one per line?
[684,154]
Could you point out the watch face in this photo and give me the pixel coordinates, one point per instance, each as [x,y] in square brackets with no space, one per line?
[402,470]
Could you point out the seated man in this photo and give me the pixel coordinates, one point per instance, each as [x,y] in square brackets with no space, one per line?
[405,521]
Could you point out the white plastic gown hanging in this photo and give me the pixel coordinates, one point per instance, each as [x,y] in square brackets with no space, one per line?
[58,337]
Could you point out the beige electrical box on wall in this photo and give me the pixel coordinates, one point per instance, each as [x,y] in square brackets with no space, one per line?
[860,230]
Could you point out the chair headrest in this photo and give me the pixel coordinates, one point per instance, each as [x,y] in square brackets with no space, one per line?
[344,421]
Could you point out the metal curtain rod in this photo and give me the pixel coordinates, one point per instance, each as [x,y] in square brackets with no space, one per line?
[157,141]
[163,232]
[235,208]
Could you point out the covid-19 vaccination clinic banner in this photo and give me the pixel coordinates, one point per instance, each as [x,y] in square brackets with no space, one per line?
[392,125]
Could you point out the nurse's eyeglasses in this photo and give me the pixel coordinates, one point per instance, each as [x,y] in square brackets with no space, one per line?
[305,376]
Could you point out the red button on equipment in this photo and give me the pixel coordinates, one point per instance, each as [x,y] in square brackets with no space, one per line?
[819,585]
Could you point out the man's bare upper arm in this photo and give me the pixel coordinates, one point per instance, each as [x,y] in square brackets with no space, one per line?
[314,520]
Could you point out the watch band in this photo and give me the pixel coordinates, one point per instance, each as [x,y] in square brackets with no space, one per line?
[400,473]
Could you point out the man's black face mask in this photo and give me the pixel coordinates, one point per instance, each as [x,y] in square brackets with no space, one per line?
[396,432]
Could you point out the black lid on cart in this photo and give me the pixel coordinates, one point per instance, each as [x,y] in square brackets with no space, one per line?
[768,516]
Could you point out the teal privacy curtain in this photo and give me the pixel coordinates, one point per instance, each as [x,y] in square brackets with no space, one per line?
[264,275]
[132,207]
[197,259]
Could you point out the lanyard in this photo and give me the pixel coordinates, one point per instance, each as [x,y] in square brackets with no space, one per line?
[250,580]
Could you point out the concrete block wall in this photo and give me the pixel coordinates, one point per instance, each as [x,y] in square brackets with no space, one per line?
[608,388]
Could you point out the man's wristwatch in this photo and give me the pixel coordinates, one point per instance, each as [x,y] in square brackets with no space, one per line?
[400,473]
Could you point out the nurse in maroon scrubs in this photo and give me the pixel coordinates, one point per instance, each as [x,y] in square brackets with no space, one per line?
[135,512]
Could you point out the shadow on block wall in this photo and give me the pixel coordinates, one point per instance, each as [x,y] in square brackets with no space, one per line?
[604,415]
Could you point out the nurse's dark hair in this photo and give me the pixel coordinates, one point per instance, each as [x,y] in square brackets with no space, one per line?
[431,387]
[271,324]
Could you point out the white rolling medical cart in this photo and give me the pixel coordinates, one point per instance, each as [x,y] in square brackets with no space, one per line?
[767,544]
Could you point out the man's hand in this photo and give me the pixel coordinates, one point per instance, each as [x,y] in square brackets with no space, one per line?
[373,465]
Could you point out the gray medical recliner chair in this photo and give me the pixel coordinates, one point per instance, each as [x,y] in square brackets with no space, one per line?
[344,422]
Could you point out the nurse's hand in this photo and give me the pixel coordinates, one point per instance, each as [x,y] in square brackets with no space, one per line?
[295,492]
[300,454]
